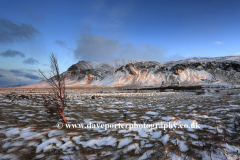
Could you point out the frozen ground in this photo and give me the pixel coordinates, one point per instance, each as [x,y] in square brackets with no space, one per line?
[27,131]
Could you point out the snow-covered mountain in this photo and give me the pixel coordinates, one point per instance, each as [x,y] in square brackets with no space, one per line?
[125,72]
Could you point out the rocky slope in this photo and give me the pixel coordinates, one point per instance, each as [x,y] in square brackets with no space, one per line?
[150,73]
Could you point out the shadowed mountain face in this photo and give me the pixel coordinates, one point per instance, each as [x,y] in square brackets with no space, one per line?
[125,72]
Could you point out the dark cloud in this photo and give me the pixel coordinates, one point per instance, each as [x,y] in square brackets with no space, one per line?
[14,76]
[31,61]
[3,83]
[12,32]
[61,43]
[98,48]
[12,53]
[16,71]
[22,73]
[31,76]
[31,70]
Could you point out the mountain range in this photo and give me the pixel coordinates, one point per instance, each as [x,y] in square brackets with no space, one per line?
[130,72]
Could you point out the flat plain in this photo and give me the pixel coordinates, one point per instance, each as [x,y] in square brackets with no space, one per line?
[28,131]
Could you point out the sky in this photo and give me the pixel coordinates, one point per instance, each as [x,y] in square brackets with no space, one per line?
[101,31]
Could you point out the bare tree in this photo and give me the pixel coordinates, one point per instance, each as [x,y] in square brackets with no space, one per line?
[56,101]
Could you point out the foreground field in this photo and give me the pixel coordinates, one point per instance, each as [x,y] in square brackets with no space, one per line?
[27,131]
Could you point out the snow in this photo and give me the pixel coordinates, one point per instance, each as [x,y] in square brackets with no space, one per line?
[168,118]
[66,145]
[179,132]
[16,144]
[6,145]
[142,142]
[175,157]
[162,108]
[156,134]
[90,121]
[190,124]
[25,133]
[197,143]
[80,102]
[9,156]
[182,146]
[145,117]
[21,117]
[189,76]
[55,133]
[152,113]
[193,136]
[124,142]
[48,144]
[33,144]
[110,77]
[143,132]
[146,155]
[12,132]
[95,143]
[12,149]
[124,131]
[34,136]
[133,146]
[77,139]
[65,139]
[165,139]
[40,156]
[113,111]
[118,102]
[231,147]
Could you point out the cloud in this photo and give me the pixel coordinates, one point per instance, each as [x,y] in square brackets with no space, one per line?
[22,73]
[12,32]
[176,57]
[142,51]
[61,43]
[15,76]
[31,61]
[236,54]
[16,71]
[12,53]
[101,49]
[1,75]
[31,76]
[217,42]
[31,70]
[96,47]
